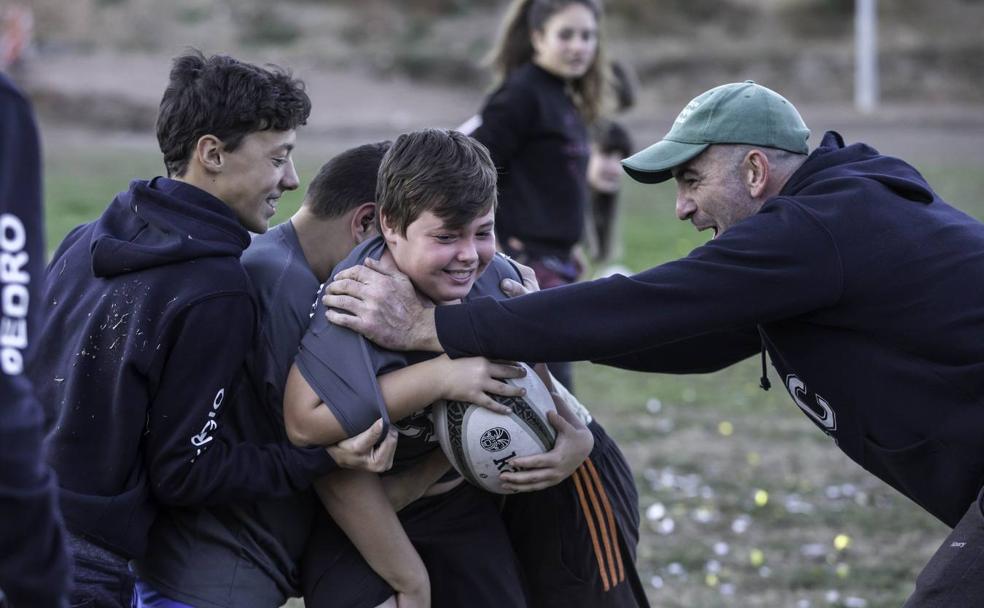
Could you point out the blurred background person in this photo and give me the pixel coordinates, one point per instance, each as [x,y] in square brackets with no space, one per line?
[610,143]
[33,563]
[549,88]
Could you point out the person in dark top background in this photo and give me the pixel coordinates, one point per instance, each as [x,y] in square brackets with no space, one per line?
[149,317]
[610,143]
[34,570]
[862,285]
[547,62]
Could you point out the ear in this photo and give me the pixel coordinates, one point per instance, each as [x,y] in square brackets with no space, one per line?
[755,171]
[209,153]
[363,222]
[388,231]
[536,41]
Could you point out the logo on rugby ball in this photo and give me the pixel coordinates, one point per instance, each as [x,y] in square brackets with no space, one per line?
[495,439]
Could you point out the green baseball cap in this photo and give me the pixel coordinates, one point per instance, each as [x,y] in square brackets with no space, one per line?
[736,113]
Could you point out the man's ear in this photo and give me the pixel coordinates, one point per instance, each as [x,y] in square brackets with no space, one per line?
[363,224]
[210,153]
[755,172]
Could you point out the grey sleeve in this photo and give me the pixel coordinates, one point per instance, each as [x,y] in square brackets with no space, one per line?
[341,369]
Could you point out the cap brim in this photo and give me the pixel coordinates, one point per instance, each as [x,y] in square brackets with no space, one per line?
[654,164]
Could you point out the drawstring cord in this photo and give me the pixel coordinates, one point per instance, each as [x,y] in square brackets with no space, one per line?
[764,383]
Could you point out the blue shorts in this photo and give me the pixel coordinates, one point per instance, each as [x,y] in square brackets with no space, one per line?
[460,538]
[145,596]
[576,541]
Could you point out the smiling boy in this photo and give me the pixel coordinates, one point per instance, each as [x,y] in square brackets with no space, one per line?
[436,196]
[150,317]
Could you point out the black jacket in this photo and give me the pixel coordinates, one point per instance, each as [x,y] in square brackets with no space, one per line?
[868,290]
[150,319]
[33,564]
[539,143]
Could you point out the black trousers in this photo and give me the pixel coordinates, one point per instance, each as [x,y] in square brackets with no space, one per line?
[954,576]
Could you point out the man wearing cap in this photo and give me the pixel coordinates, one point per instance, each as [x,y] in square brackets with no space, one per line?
[865,289]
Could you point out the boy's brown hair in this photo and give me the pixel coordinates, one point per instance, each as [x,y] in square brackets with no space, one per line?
[445,172]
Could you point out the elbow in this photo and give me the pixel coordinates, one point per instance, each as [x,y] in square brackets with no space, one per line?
[297,429]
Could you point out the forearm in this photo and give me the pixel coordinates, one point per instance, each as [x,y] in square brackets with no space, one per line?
[357,503]
[615,316]
[425,333]
[192,456]
[412,388]
[698,355]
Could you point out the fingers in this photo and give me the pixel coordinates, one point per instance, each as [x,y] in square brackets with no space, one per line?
[377,267]
[361,452]
[382,456]
[503,389]
[506,370]
[344,320]
[346,286]
[344,302]
[350,273]
[489,403]
[544,374]
[369,437]
[362,273]
[530,481]
[545,461]
[529,278]
[512,289]
[558,423]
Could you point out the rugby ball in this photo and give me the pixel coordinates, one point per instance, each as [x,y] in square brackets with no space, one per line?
[480,443]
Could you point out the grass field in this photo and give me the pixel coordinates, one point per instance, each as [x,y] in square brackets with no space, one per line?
[743,501]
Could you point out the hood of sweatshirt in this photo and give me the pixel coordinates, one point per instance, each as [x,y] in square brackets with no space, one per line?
[163,221]
[832,161]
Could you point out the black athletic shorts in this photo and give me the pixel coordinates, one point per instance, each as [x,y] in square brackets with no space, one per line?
[576,541]
[460,538]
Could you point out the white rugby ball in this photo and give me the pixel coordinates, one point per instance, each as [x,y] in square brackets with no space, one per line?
[480,443]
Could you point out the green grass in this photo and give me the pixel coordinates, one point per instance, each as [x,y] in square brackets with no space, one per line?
[772,446]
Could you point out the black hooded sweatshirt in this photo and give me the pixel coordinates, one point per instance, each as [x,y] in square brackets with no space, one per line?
[33,563]
[539,144]
[866,289]
[150,317]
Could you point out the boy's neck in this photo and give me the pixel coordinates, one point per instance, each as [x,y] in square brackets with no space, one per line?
[325,242]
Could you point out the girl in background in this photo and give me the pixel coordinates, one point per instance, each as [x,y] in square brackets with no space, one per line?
[548,90]
[576,541]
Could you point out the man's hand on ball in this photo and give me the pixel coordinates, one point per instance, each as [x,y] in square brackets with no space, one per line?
[474,379]
[544,470]
[361,451]
[382,305]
